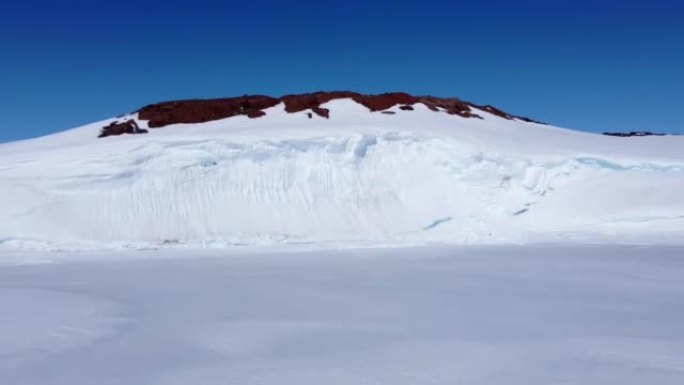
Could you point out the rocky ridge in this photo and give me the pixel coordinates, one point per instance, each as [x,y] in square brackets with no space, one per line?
[204,110]
[253,106]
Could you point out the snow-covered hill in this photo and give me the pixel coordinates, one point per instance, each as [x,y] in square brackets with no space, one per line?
[357,177]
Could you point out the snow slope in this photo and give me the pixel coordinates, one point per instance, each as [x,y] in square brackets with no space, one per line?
[359,177]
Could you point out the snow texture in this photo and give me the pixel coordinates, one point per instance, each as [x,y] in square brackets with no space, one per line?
[528,315]
[358,178]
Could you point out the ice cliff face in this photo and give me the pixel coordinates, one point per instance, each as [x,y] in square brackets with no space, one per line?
[342,170]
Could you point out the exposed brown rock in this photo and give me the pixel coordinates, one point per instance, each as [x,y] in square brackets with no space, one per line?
[633,134]
[115,128]
[322,112]
[451,106]
[301,102]
[385,101]
[255,114]
[495,111]
[199,111]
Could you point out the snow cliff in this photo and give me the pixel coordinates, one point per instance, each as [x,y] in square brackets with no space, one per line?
[357,176]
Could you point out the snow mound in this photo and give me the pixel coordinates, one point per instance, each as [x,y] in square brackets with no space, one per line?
[358,177]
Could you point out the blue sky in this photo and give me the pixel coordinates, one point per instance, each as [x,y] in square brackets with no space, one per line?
[590,65]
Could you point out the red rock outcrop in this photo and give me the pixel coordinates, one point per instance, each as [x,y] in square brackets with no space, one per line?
[451,106]
[385,101]
[115,128]
[322,112]
[255,114]
[301,102]
[200,111]
[495,111]
[253,106]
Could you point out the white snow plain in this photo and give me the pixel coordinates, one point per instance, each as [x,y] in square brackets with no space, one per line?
[358,178]
[485,315]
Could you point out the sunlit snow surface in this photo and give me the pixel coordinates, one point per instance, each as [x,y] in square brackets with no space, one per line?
[437,315]
[202,254]
[359,177]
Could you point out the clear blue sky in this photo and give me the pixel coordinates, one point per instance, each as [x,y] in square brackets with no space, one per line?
[590,65]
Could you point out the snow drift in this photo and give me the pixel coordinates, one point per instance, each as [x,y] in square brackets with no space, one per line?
[407,176]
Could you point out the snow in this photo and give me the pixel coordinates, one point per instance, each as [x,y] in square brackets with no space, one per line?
[360,178]
[48,322]
[415,248]
[484,315]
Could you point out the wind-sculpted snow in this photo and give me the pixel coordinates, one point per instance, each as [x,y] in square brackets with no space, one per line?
[412,177]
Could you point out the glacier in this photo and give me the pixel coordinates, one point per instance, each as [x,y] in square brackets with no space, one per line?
[358,178]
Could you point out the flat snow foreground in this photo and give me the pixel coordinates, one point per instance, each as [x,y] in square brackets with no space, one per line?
[432,315]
